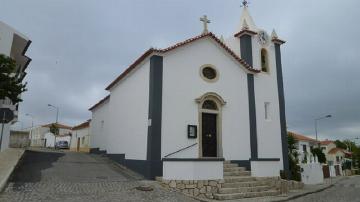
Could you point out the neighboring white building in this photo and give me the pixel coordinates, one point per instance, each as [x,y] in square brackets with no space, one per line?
[304,146]
[201,100]
[99,124]
[13,44]
[334,155]
[80,139]
[41,136]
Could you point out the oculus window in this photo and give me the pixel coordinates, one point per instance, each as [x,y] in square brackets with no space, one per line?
[209,73]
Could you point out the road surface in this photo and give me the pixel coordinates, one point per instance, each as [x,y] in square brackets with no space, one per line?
[70,176]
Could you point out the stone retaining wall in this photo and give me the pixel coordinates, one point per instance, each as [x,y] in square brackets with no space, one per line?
[284,186]
[196,188]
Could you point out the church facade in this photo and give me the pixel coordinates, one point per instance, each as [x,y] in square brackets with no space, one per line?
[203,100]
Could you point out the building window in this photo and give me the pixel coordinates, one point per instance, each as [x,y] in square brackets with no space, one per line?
[337,159]
[209,104]
[83,140]
[304,148]
[264,61]
[209,73]
[267,110]
[311,148]
[102,124]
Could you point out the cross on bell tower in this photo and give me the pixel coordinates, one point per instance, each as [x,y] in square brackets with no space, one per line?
[205,21]
[245,3]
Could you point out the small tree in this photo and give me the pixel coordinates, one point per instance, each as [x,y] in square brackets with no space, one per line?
[293,158]
[54,129]
[319,154]
[10,86]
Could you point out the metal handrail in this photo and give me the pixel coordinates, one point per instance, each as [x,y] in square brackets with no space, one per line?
[180,150]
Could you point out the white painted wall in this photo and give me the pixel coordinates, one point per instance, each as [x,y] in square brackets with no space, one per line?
[312,173]
[99,126]
[182,84]
[193,170]
[80,133]
[5,137]
[265,168]
[50,139]
[128,114]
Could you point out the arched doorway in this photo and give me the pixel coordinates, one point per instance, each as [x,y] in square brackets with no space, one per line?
[210,118]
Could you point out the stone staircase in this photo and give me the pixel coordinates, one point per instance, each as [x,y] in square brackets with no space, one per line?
[239,184]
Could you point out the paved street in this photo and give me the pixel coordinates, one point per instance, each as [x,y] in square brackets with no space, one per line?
[343,191]
[67,176]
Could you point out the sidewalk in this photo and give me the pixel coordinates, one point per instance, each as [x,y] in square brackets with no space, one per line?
[308,189]
[8,161]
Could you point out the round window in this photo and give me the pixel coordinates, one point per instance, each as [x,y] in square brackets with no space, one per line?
[209,73]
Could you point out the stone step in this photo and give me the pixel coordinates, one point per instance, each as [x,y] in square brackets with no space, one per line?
[234,169]
[243,184]
[230,165]
[237,173]
[243,189]
[239,179]
[246,195]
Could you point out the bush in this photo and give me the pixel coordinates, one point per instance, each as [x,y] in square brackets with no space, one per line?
[320,154]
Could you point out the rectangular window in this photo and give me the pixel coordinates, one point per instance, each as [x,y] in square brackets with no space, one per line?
[304,148]
[267,110]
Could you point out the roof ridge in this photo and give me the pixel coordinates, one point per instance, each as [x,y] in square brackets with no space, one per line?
[147,53]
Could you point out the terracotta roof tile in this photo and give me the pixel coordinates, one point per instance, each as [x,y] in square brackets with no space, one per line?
[326,142]
[99,103]
[57,125]
[335,150]
[301,137]
[245,31]
[152,50]
[82,125]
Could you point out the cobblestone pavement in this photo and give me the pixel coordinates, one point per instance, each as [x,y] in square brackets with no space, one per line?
[68,176]
[343,191]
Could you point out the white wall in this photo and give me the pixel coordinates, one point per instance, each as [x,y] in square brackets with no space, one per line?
[5,137]
[193,170]
[312,173]
[80,133]
[128,119]
[265,168]
[99,126]
[182,84]
[6,39]
[50,139]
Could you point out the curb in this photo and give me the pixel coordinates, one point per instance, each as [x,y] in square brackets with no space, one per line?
[305,194]
[310,192]
[4,181]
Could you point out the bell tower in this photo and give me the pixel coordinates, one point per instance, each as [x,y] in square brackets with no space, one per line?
[262,52]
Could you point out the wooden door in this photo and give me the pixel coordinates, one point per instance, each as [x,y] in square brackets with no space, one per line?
[209,135]
[78,144]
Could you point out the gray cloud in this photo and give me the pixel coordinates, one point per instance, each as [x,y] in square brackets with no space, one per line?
[81,46]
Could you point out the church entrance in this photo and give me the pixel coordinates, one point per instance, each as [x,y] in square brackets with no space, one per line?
[209,135]
[210,121]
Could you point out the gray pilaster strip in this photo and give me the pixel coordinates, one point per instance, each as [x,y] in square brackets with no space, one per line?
[282,110]
[246,49]
[246,54]
[252,117]
[155,111]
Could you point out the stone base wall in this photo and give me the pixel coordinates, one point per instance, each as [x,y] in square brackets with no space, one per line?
[195,188]
[284,186]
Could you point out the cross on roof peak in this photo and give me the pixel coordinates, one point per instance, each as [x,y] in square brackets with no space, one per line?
[205,21]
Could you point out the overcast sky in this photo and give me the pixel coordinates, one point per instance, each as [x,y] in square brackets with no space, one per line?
[80,46]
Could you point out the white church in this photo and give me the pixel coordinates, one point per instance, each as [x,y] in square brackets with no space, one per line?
[184,111]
